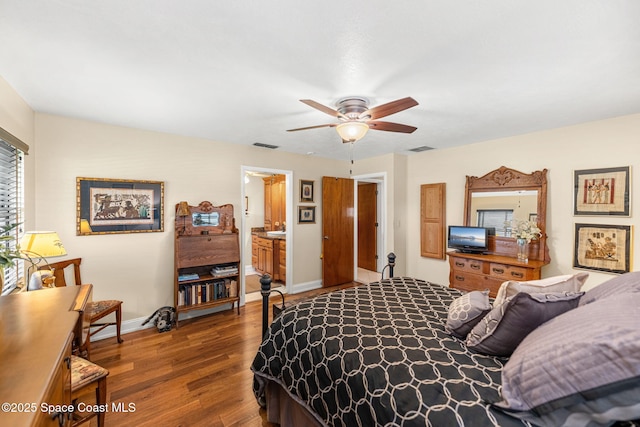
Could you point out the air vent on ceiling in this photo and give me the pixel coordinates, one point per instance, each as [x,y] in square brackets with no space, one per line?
[260,144]
[422,148]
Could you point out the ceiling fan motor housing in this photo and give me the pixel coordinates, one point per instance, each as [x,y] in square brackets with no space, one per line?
[353,107]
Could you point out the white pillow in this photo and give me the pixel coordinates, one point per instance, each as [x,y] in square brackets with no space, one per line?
[564,283]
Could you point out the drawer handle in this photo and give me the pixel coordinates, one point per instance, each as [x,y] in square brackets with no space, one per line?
[498,270]
[516,274]
[460,278]
[459,264]
[60,416]
[67,360]
[475,266]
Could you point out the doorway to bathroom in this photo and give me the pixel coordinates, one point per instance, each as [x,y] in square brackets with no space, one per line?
[266,239]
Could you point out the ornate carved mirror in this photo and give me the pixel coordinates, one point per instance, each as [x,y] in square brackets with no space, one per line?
[502,195]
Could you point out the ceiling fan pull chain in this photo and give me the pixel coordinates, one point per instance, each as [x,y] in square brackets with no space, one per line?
[351,158]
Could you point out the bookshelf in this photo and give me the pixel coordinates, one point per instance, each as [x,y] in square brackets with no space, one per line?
[207,258]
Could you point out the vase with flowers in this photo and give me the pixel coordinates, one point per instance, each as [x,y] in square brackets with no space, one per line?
[524,232]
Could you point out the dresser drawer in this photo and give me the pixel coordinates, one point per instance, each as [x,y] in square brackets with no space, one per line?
[475,282]
[468,265]
[508,272]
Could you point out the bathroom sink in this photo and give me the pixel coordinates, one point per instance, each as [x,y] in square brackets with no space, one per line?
[276,233]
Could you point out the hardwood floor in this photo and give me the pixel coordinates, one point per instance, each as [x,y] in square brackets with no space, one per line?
[197,375]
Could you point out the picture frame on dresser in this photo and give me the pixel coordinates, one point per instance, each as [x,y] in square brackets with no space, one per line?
[603,247]
[110,206]
[604,191]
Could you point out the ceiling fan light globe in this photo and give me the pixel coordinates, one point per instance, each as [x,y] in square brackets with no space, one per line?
[352,131]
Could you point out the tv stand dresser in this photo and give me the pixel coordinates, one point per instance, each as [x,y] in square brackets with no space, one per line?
[477,272]
[471,272]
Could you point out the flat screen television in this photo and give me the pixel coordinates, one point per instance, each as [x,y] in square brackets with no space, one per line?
[468,239]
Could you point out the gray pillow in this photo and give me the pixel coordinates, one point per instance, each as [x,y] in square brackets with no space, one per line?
[564,283]
[585,356]
[500,331]
[627,282]
[466,311]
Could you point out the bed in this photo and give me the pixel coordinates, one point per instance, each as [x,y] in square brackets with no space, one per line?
[377,354]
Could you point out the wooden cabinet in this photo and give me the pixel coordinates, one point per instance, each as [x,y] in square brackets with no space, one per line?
[280,260]
[269,256]
[471,272]
[263,248]
[207,259]
[274,202]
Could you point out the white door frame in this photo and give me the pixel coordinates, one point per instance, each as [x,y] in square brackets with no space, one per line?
[380,179]
[289,229]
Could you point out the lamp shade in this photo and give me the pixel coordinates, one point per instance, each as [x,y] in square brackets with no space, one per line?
[352,131]
[183,209]
[85,227]
[42,244]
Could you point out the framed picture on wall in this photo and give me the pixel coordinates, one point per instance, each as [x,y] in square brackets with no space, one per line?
[306,214]
[602,191]
[106,206]
[306,191]
[602,247]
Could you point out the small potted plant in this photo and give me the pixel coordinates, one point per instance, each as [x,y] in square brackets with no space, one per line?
[8,255]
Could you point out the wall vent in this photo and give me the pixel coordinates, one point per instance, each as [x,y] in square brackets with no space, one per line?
[260,144]
[422,148]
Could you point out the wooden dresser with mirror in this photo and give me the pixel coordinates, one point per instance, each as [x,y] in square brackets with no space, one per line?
[515,195]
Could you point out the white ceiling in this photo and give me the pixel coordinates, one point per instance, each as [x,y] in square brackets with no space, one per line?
[235,70]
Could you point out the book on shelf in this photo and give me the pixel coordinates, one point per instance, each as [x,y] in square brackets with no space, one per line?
[224,271]
[199,293]
[188,276]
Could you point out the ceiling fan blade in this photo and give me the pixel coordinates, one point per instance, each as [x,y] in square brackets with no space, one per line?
[389,108]
[391,127]
[323,108]
[330,125]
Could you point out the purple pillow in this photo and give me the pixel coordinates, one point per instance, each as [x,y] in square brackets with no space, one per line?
[500,331]
[627,282]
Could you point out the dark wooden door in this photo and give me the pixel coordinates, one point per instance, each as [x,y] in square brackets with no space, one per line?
[337,231]
[367,226]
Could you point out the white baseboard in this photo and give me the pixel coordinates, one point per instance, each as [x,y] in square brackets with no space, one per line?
[308,286]
[133,325]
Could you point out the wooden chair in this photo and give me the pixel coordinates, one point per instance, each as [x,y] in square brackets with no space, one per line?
[86,377]
[96,309]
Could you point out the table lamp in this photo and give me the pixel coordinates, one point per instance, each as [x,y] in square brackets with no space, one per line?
[183,212]
[40,245]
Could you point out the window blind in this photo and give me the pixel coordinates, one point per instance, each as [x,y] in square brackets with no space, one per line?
[11,205]
[496,218]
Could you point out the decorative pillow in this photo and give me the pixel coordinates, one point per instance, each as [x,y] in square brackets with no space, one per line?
[500,331]
[588,357]
[627,282]
[564,283]
[466,311]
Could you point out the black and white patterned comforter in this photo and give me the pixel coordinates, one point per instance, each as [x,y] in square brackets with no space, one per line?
[378,355]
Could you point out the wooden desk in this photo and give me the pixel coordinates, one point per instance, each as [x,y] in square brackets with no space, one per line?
[36,332]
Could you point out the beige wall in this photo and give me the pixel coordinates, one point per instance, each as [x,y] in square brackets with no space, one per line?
[17,118]
[606,143]
[138,267]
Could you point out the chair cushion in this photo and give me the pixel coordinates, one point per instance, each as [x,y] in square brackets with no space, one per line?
[96,308]
[84,372]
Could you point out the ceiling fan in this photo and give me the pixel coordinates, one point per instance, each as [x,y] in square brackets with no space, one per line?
[356,118]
